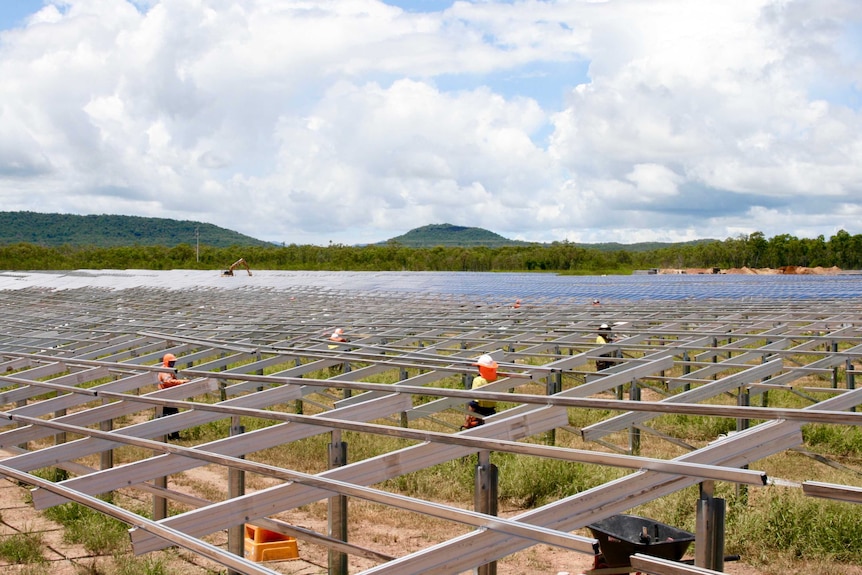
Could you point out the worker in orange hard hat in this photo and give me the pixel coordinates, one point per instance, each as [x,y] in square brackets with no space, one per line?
[169,379]
[482,408]
[517,304]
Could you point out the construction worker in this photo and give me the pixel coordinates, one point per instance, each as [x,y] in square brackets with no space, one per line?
[604,336]
[169,379]
[482,408]
[337,337]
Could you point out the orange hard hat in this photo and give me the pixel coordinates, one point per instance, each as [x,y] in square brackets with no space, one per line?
[169,357]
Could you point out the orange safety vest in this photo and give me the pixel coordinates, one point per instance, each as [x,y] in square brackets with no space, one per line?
[167,380]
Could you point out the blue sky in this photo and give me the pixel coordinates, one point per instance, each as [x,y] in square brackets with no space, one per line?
[421,5]
[13,12]
[354,121]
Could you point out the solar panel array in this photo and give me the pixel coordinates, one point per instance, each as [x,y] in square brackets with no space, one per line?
[80,353]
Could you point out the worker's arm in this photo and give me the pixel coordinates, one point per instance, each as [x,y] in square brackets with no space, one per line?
[170,380]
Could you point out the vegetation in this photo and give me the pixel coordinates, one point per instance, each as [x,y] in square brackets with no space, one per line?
[22,548]
[32,241]
[55,230]
[801,527]
[841,250]
[98,533]
[775,528]
[103,535]
[453,236]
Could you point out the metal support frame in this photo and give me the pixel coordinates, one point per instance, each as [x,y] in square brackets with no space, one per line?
[337,507]
[435,341]
[485,497]
[236,488]
[709,533]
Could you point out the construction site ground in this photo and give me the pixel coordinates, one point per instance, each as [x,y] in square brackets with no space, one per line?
[394,534]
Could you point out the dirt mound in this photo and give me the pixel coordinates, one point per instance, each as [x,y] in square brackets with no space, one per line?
[784,270]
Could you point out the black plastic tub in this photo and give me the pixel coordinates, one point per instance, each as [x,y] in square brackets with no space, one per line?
[621,536]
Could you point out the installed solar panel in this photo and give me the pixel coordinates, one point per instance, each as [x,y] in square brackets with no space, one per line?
[473,284]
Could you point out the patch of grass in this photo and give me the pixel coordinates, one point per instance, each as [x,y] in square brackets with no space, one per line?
[53,474]
[22,548]
[840,440]
[308,455]
[695,428]
[531,481]
[125,564]
[35,569]
[801,527]
[584,417]
[98,533]
[677,509]
[448,481]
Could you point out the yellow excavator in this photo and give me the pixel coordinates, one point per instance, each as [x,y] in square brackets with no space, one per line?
[236,264]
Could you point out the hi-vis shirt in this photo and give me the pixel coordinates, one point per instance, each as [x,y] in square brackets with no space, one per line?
[169,380]
[478,382]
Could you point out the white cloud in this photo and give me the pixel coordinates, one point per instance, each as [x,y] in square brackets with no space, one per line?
[353,121]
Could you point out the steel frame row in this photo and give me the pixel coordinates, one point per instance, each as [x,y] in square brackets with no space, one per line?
[78,374]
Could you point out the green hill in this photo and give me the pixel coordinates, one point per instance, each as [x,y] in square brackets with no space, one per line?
[449,235]
[452,236]
[106,231]
[109,231]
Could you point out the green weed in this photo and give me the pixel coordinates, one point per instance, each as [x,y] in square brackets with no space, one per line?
[530,481]
[799,526]
[98,533]
[695,428]
[22,548]
[130,565]
[839,440]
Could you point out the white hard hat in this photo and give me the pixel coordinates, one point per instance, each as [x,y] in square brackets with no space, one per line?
[486,361]
[604,326]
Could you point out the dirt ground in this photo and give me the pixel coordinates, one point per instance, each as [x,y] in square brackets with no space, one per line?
[390,534]
[786,270]
[384,531]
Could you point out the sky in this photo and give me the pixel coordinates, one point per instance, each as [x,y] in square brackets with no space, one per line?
[355,121]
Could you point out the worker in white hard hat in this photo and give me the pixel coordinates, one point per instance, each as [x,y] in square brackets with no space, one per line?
[337,337]
[604,336]
[482,408]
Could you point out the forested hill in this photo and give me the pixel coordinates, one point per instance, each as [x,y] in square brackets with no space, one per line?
[107,231]
[452,236]
[449,235]
[110,231]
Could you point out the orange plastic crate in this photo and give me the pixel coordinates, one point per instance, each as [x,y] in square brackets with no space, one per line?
[265,545]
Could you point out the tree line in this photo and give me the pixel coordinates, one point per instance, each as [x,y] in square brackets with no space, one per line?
[754,250]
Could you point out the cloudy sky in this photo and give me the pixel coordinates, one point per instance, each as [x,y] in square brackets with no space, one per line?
[354,121]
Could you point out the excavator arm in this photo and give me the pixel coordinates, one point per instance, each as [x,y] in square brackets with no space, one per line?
[236,264]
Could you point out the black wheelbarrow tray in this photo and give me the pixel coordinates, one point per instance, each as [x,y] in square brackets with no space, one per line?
[621,536]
